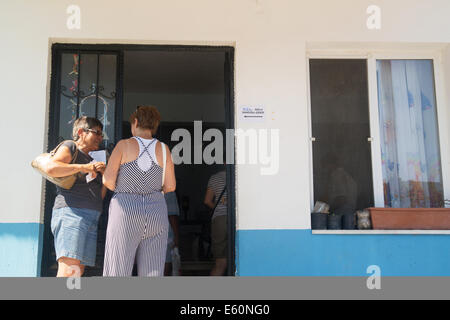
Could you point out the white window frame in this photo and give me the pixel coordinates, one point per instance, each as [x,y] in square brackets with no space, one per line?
[371,55]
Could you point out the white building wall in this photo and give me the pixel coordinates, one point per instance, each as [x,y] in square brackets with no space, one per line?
[270,38]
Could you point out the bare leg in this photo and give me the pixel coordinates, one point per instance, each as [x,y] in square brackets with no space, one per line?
[168,269]
[220,267]
[68,267]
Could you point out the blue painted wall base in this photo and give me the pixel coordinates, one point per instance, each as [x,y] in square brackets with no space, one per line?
[20,249]
[300,253]
[276,253]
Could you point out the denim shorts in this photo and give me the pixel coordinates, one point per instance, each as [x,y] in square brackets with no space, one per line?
[75,233]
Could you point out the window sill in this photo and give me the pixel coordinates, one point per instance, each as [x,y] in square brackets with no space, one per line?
[399,232]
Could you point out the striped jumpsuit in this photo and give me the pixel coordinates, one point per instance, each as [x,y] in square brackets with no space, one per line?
[138,222]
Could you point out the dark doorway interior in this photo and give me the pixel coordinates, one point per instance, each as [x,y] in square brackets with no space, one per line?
[185,87]
[186,84]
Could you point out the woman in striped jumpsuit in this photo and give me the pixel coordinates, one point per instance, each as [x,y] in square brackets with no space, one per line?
[138,221]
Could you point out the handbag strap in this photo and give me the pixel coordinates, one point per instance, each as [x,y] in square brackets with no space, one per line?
[220,197]
[75,154]
[56,149]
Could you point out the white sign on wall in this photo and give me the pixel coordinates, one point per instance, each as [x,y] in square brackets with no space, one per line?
[249,113]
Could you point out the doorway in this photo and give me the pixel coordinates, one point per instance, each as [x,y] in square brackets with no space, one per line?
[186,84]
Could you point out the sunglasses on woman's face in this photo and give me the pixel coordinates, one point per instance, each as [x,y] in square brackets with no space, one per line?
[97,132]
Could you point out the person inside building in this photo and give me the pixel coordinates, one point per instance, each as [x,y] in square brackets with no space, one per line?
[139,170]
[216,200]
[342,188]
[76,211]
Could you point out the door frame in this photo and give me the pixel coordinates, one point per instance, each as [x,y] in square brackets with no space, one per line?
[53,121]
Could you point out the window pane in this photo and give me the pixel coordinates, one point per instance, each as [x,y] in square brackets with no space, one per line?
[68,95]
[107,95]
[88,88]
[340,125]
[88,83]
[411,160]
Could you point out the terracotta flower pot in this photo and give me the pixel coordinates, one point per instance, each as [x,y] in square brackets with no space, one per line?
[410,218]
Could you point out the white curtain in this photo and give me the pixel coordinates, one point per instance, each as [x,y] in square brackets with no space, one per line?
[409,134]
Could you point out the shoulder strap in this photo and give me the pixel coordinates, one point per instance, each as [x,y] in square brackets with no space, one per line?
[75,154]
[145,148]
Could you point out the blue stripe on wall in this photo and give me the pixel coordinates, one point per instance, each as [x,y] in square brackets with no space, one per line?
[276,253]
[300,253]
[20,249]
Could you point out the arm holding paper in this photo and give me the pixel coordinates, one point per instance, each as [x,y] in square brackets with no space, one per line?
[60,166]
[99,160]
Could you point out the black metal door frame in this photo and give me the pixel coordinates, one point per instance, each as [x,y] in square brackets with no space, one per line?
[53,127]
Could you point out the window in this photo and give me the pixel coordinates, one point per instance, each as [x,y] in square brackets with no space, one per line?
[405,155]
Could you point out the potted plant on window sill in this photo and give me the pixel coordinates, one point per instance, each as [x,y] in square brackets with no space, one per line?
[410,218]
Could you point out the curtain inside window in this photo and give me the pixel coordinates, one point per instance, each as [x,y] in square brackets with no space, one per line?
[411,161]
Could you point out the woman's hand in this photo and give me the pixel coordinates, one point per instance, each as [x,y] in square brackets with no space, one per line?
[88,168]
[100,167]
[95,167]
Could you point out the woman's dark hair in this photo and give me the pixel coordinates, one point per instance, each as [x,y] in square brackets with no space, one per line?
[85,123]
[148,117]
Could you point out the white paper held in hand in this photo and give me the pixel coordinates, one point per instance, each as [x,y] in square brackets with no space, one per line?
[98,156]
[89,177]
